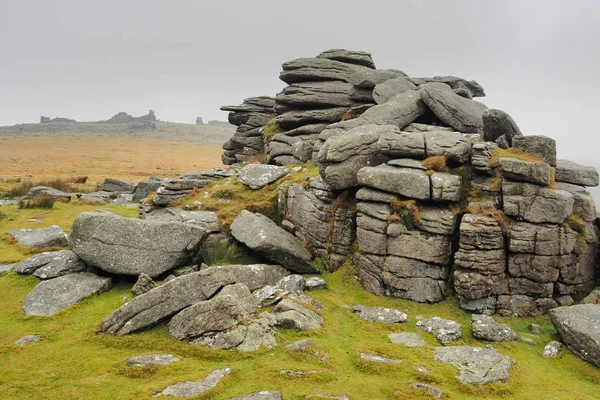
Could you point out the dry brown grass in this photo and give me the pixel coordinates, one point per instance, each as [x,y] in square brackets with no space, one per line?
[99,157]
[435,163]
[514,152]
[407,211]
[498,215]
[348,116]
[553,184]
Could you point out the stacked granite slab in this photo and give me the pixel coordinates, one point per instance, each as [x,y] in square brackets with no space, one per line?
[250,118]
[322,218]
[318,94]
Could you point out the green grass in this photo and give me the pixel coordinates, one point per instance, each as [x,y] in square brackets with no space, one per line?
[76,362]
[62,214]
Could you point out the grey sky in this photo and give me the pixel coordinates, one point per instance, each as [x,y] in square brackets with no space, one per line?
[90,59]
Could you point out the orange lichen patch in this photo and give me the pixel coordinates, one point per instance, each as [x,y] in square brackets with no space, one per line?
[553,184]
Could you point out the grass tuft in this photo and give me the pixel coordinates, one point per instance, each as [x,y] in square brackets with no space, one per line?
[435,163]
[223,252]
[43,201]
[271,129]
[498,215]
[407,211]
[514,152]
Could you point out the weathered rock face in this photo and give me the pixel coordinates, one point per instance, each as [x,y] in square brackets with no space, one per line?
[131,247]
[571,172]
[53,295]
[51,236]
[117,185]
[262,235]
[578,327]
[145,187]
[477,366]
[498,124]
[255,176]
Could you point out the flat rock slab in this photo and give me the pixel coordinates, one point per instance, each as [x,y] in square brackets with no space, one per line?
[207,220]
[54,295]
[407,338]
[117,185]
[378,359]
[51,236]
[486,328]
[49,265]
[262,235]
[48,191]
[300,345]
[432,390]
[28,339]
[255,176]
[444,330]
[151,359]
[571,172]
[380,314]
[195,388]
[266,395]
[579,328]
[477,366]
[6,268]
[131,246]
[315,283]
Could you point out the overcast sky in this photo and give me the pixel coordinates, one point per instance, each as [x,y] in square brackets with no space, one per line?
[87,60]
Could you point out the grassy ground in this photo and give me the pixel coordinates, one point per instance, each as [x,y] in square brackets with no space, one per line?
[75,362]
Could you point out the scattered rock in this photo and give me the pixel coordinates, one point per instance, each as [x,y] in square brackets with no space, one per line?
[6,268]
[288,372]
[195,388]
[51,236]
[262,235]
[432,390]
[377,359]
[527,340]
[380,314]
[551,349]
[131,246]
[51,264]
[477,366]
[315,283]
[255,176]
[578,328]
[541,145]
[117,185]
[300,345]
[265,395]
[291,315]
[497,123]
[486,328]
[423,370]
[54,295]
[28,339]
[535,328]
[143,284]
[407,338]
[291,283]
[48,191]
[445,330]
[151,359]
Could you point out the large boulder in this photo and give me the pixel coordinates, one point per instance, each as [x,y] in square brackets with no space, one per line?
[49,191]
[262,235]
[130,246]
[54,295]
[497,123]
[462,114]
[477,366]
[233,304]
[579,328]
[117,185]
[389,89]
[51,236]
[255,176]
[571,172]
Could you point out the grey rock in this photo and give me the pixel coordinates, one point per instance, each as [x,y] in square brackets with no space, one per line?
[535,328]
[264,395]
[486,328]
[268,295]
[262,235]
[403,144]
[317,69]
[117,185]
[254,276]
[164,301]
[151,359]
[291,283]
[445,330]
[51,236]
[407,182]
[578,328]
[535,204]
[207,220]
[456,82]
[462,114]
[145,187]
[497,123]
[445,187]
[255,176]
[421,246]
[584,201]
[51,264]
[481,158]
[380,314]
[541,239]
[593,297]
[143,285]
[527,340]
[28,339]
[96,197]
[6,268]
[316,94]
[455,146]
[315,283]
[349,57]
[48,191]
[291,315]
[544,146]
[524,171]
[233,304]
[300,345]
[327,396]
[369,78]
[400,110]
[195,388]
[432,390]
[407,339]
[571,172]
[250,335]
[387,90]
[477,366]
[131,246]
[295,119]
[378,359]
[551,349]
[54,295]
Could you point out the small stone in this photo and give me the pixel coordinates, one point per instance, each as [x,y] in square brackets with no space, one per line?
[195,388]
[535,328]
[380,314]
[551,350]
[287,372]
[377,359]
[407,338]
[28,339]
[144,284]
[264,395]
[486,328]
[291,283]
[51,236]
[315,283]
[527,340]
[432,390]
[6,268]
[255,176]
[151,359]
[444,330]
[300,345]
[423,370]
